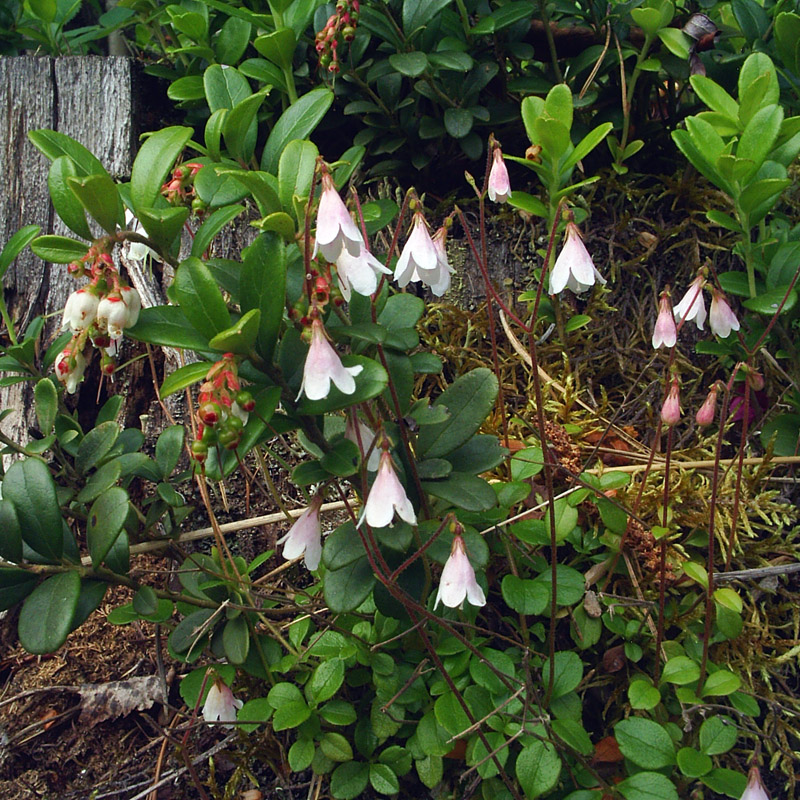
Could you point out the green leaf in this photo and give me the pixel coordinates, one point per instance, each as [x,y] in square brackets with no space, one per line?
[30,487]
[430,770]
[348,587]
[64,200]
[184,376]
[680,670]
[527,202]
[297,122]
[163,225]
[106,518]
[757,140]
[574,734]
[54,144]
[225,87]
[770,301]
[15,584]
[264,274]
[714,96]
[200,298]
[99,195]
[525,596]
[96,445]
[46,398]
[212,226]
[338,712]
[586,145]
[725,781]
[261,185]
[301,754]
[240,337]
[718,735]
[458,121]
[10,535]
[296,171]
[290,708]
[648,786]
[469,399]
[325,681]
[46,615]
[155,159]
[721,682]
[643,695]
[349,780]
[342,459]
[167,326]
[241,128]
[383,779]
[277,47]
[236,639]
[336,747]
[645,743]
[538,768]
[463,491]
[786,430]
[567,675]
[420,13]
[255,712]
[58,249]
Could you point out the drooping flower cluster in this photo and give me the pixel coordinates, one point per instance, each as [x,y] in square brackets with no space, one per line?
[98,312]
[340,27]
[692,308]
[222,410]
[179,189]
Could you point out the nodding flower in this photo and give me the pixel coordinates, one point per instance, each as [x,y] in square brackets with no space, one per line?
[721,318]
[665,333]
[323,367]
[458,579]
[336,230]
[574,268]
[692,306]
[305,536]
[386,497]
[671,410]
[499,188]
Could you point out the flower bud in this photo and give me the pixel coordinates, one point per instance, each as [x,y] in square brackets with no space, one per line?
[671,410]
[209,413]
[705,414]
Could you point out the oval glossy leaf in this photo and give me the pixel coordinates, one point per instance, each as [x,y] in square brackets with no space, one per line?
[96,445]
[46,616]
[106,518]
[264,273]
[15,585]
[167,326]
[66,204]
[469,399]
[98,194]
[184,376]
[297,122]
[645,742]
[58,249]
[155,159]
[538,768]
[236,639]
[200,298]
[240,337]
[30,487]
[10,534]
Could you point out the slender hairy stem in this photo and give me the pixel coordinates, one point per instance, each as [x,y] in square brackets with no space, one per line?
[662,559]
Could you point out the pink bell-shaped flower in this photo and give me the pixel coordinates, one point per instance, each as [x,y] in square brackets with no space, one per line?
[419,254]
[324,366]
[336,230]
[692,306]
[305,536]
[439,279]
[574,268]
[721,318]
[220,705]
[665,333]
[499,187]
[458,579]
[359,273]
[70,367]
[386,496]
[755,787]
[80,310]
[671,410]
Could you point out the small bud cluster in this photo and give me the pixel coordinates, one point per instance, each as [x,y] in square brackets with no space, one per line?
[98,312]
[179,189]
[222,409]
[340,27]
